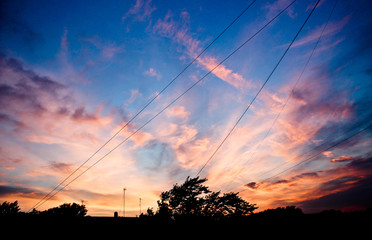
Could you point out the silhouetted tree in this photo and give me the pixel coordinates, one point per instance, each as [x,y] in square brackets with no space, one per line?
[9,208]
[282,211]
[150,212]
[192,198]
[184,199]
[66,210]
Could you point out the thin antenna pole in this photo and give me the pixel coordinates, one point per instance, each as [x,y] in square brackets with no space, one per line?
[140,199]
[124,201]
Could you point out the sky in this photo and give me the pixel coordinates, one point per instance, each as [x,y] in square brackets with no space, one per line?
[73,73]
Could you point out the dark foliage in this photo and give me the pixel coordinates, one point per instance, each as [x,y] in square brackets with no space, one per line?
[282,212]
[64,210]
[193,199]
[67,210]
[9,208]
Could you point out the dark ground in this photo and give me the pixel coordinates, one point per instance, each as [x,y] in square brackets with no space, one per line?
[347,226]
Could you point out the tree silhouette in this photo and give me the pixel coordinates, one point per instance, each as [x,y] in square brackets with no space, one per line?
[192,198]
[9,208]
[282,211]
[66,210]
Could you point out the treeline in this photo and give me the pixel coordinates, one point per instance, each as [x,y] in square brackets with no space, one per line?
[64,210]
[189,201]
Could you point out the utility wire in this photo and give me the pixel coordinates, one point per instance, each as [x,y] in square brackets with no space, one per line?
[320,152]
[259,91]
[369,125]
[144,107]
[294,86]
[171,103]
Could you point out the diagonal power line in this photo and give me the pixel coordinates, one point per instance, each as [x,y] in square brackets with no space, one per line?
[294,86]
[321,151]
[259,91]
[145,106]
[171,103]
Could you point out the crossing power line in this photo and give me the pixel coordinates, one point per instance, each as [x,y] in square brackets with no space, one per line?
[146,105]
[294,86]
[337,143]
[51,194]
[259,91]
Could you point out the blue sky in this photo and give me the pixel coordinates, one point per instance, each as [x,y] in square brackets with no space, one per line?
[73,73]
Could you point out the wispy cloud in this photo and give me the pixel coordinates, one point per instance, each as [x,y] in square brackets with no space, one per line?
[179,31]
[108,49]
[35,102]
[134,94]
[275,7]
[140,11]
[222,72]
[153,73]
[179,112]
[332,29]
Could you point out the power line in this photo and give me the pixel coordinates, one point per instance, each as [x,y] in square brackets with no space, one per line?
[259,91]
[369,125]
[171,103]
[295,85]
[144,107]
[320,152]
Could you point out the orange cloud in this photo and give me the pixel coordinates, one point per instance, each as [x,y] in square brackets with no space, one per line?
[227,75]
[179,112]
[180,33]
[342,159]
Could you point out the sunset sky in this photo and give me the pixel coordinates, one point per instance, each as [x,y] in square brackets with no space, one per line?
[72,73]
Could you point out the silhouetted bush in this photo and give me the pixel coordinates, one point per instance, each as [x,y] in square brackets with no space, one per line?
[9,208]
[282,212]
[66,210]
[193,199]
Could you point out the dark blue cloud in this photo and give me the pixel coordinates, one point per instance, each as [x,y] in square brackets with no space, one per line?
[358,186]
[8,190]
[359,196]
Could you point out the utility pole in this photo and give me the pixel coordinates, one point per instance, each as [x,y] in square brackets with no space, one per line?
[124,201]
[140,199]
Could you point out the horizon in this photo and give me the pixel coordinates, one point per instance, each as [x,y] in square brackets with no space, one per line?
[72,75]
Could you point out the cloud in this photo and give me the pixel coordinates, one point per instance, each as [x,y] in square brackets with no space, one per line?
[252,185]
[61,167]
[331,29]
[153,73]
[357,197]
[156,156]
[108,49]
[342,159]
[140,11]
[41,108]
[10,190]
[227,75]
[179,32]
[179,112]
[134,94]
[275,7]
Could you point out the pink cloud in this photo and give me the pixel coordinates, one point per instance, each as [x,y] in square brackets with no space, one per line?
[179,112]
[44,108]
[141,11]
[153,73]
[180,33]
[107,49]
[331,29]
[134,94]
[227,75]
[275,7]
